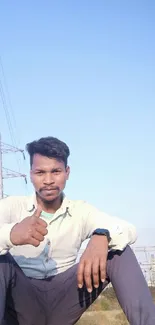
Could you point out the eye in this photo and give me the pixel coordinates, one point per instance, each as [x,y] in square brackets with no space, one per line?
[56,172]
[39,172]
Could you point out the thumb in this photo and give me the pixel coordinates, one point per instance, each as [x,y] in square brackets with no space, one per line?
[38,211]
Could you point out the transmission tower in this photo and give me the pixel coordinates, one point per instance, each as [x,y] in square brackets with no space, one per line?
[146,258]
[5,172]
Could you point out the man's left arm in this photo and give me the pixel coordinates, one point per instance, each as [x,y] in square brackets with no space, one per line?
[92,265]
[122,233]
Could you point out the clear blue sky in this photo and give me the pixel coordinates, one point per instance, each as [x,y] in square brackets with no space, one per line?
[84,71]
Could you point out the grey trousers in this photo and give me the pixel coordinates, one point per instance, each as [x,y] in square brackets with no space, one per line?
[58,301]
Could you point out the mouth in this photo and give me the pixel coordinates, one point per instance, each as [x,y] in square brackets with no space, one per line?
[49,190]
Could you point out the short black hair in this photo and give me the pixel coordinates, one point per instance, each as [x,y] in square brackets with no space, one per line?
[49,147]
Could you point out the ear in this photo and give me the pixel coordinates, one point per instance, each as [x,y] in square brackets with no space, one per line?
[67,172]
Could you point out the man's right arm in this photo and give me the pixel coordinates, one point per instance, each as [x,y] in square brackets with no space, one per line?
[16,232]
[7,221]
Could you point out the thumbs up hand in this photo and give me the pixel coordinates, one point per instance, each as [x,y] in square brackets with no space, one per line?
[30,230]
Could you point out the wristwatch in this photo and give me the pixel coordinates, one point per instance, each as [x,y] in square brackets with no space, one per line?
[102,232]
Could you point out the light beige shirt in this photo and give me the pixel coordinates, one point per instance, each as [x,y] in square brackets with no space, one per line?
[70,225]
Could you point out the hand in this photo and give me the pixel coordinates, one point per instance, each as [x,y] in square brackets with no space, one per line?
[93,261]
[30,230]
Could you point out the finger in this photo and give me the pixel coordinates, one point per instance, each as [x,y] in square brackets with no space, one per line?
[42,230]
[87,276]
[34,242]
[80,274]
[95,272]
[103,269]
[36,235]
[38,211]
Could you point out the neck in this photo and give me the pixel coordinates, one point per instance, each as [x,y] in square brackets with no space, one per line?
[51,206]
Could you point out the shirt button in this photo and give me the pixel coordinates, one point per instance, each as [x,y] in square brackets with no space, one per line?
[49,242]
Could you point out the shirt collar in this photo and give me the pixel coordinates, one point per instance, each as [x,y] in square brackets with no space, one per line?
[64,208]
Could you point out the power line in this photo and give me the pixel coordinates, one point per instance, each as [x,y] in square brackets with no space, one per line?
[6,172]
[7,148]
[8,95]
[8,110]
[4,103]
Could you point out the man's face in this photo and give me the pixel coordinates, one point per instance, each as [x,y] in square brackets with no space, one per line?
[48,177]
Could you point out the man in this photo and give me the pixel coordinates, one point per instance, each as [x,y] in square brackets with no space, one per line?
[40,236]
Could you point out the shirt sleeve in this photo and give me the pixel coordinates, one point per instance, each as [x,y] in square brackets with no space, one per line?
[122,233]
[6,224]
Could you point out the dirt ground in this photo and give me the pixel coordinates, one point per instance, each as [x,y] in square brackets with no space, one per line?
[112,317]
[106,311]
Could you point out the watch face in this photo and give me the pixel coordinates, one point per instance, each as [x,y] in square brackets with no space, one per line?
[103,232]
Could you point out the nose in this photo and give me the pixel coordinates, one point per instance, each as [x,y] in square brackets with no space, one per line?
[48,179]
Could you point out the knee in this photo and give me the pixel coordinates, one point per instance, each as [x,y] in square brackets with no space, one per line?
[126,251]
[6,258]
[7,268]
